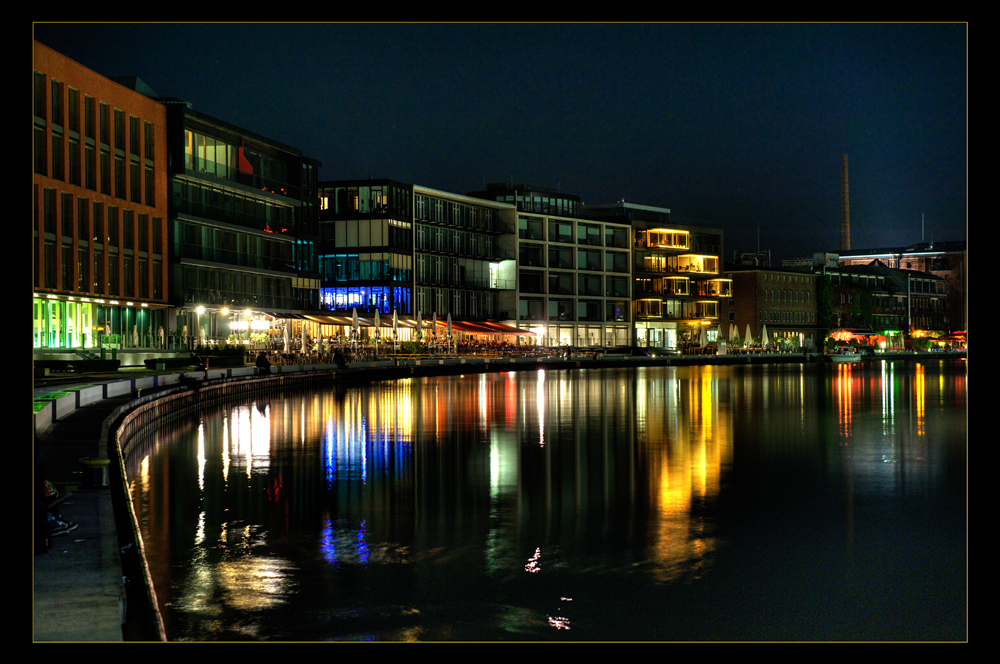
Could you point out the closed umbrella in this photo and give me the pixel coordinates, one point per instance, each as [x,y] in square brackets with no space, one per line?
[763,336]
[303,335]
[420,327]
[284,335]
[378,324]
[395,328]
[746,340]
[354,322]
[434,326]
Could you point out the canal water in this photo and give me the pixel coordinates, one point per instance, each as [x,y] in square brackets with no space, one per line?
[740,503]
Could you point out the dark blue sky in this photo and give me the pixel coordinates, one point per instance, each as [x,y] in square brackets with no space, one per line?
[739,126]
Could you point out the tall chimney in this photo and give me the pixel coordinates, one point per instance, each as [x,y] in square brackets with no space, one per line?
[845,208]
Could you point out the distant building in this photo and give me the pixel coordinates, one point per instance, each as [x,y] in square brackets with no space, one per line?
[99,209]
[947,260]
[783,300]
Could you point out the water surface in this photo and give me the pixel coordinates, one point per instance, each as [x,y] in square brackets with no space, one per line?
[782,502]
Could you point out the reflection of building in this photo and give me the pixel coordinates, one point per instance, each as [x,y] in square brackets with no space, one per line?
[392,246]
[244,212]
[99,208]
[573,285]
[677,282]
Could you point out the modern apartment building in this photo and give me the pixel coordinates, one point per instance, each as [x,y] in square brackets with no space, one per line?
[573,283]
[390,246]
[99,207]
[676,272]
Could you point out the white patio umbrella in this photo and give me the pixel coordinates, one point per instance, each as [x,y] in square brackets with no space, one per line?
[378,329]
[703,337]
[434,326]
[449,331]
[284,335]
[420,327]
[395,328]
[354,322]
[303,335]
[748,338]
[763,337]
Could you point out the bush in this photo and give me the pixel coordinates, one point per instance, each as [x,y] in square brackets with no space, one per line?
[411,347]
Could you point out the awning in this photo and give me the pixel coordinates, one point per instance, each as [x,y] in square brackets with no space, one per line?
[503,328]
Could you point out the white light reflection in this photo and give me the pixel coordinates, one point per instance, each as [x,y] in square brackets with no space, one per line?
[540,407]
[533,565]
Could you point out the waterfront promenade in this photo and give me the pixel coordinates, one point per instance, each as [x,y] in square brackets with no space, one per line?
[84,585]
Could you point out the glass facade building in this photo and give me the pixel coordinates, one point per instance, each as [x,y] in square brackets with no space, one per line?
[244,226]
[388,246]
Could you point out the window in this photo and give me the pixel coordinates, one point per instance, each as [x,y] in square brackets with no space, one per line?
[57,111]
[88,117]
[39,95]
[119,130]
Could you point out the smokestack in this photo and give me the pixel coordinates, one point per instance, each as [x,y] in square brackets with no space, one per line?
[845,208]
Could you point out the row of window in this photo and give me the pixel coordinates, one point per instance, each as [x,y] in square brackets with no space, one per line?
[771,316]
[122,167]
[676,309]
[557,309]
[532,255]
[461,304]
[562,231]
[783,297]
[232,288]
[202,200]
[563,283]
[455,241]
[94,271]
[212,156]
[455,213]
[78,217]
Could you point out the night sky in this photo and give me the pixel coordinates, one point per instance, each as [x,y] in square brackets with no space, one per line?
[737,126]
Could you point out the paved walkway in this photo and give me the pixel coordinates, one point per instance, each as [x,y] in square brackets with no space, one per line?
[78,581]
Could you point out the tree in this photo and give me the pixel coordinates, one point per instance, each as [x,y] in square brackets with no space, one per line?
[824,306]
[862,308]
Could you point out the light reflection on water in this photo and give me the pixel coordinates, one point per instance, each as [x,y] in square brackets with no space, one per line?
[656,503]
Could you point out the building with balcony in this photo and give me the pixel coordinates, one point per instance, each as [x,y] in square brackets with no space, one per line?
[676,274]
[244,227]
[573,273]
[99,207]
